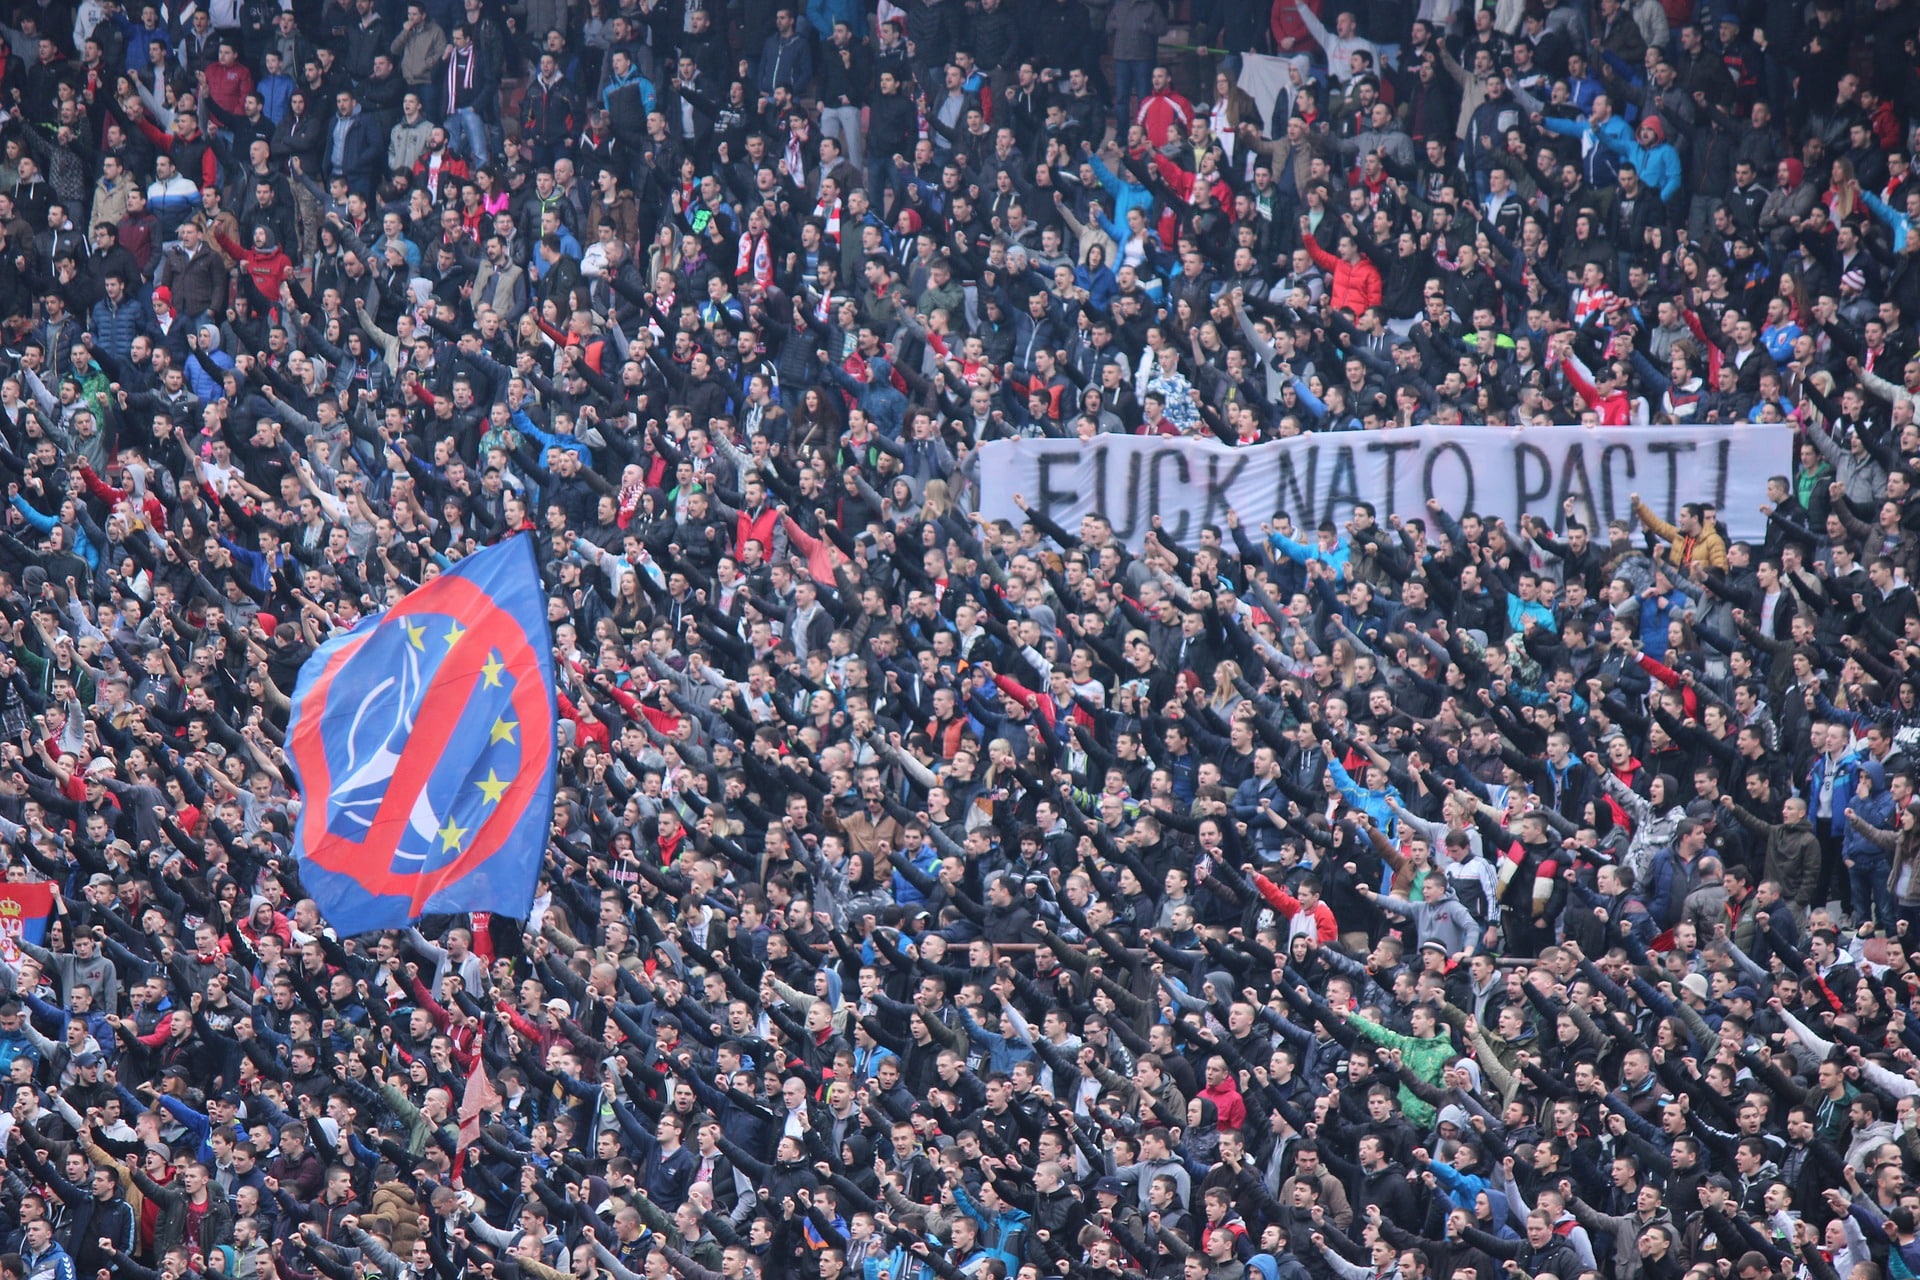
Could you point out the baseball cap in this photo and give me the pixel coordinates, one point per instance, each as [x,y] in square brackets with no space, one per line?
[557,1005]
[1109,1187]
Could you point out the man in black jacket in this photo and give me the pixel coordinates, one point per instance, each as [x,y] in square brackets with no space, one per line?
[96,1213]
[1541,1253]
[558,275]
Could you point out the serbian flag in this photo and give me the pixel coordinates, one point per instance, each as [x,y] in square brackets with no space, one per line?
[24,909]
[423,743]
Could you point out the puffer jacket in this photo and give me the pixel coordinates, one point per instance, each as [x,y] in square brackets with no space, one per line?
[1875,809]
[1652,831]
[115,327]
[1356,284]
[396,1202]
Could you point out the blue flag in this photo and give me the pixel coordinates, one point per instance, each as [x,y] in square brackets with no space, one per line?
[423,741]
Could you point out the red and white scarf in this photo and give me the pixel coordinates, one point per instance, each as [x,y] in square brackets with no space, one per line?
[757,257]
[460,64]
[829,213]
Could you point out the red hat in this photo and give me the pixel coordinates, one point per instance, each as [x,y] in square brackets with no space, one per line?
[1654,125]
[163,295]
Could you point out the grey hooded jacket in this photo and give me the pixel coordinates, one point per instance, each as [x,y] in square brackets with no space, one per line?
[1447,921]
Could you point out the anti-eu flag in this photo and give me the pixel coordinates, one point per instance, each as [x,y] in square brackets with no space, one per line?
[423,741]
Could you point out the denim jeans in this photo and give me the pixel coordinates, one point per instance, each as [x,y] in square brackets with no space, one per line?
[1132,81]
[1869,877]
[468,133]
[879,180]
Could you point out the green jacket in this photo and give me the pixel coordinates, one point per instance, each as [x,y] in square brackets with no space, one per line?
[706,1250]
[420,1129]
[1426,1057]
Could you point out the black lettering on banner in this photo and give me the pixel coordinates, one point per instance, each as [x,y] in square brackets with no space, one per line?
[1103,502]
[1343,487]
[1724,452]
[1525,493]
[1615,499]
[1573,468]
[1176,533]
[1452,501]
[1046,496]
[1390,496]
[1217,485]
[1289,494]
[1671,450]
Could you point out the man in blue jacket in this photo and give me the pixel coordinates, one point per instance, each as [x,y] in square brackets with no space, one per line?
[1830,785]
[1866,862]
[354,144]
[1652,155]
[1602,136]
[786,58]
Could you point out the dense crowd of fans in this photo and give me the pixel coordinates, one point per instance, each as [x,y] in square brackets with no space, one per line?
[1414,898]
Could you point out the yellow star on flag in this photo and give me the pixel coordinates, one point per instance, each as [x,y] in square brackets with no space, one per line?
[416,634]
[450,835]
[503,731]
[454,633]
[492,671]
[492,788]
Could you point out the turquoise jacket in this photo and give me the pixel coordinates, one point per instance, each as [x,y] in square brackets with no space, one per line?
[82,544]
[1001,1234]
[1335,559]
[1896,222]
[1658,165]
[1377,805]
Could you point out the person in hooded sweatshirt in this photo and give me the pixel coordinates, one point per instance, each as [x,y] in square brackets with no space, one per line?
[1651,155]
[1451,1256]
[1281,1265]
[1437,917]
[1655,816]
[885,406]
[1791,199]
[1626,1230]
[207,365]
[1865,859]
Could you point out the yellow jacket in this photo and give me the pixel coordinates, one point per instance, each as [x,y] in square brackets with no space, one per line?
[1706,549]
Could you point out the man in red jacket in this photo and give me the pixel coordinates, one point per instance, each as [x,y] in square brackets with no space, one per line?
[228,82]
[1356,281]
[1163,109]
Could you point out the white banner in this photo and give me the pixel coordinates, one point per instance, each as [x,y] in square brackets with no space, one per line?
[1492,472]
